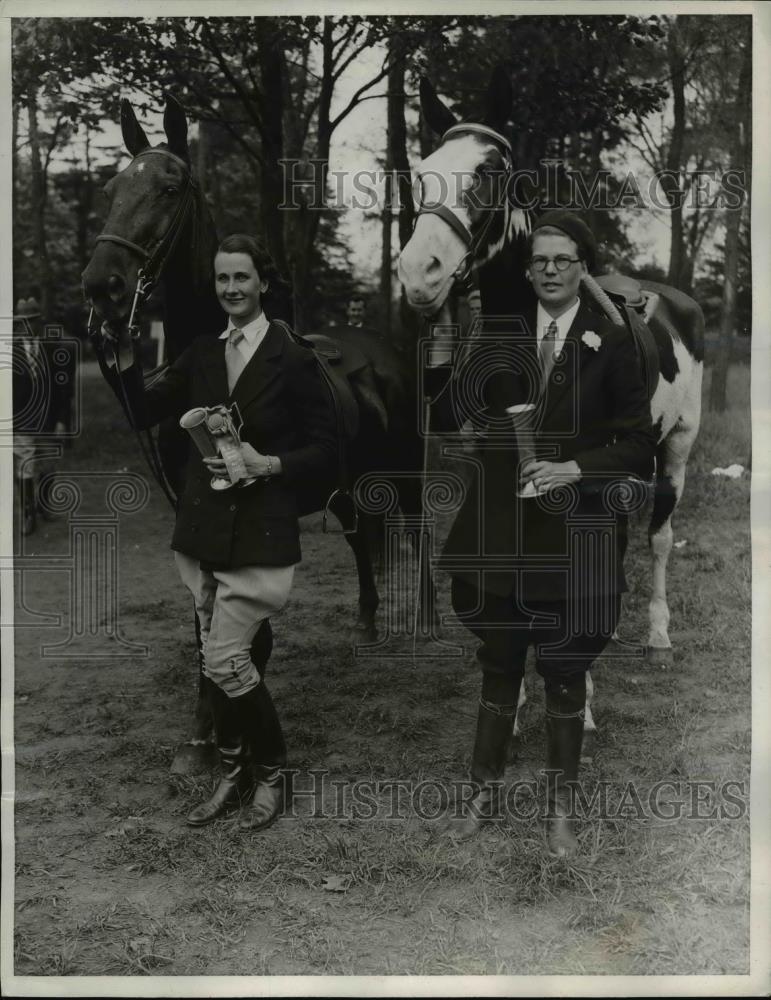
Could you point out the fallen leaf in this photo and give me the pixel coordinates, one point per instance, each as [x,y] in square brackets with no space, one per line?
[335,883]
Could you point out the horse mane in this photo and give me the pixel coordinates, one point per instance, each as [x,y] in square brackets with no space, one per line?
[191,307]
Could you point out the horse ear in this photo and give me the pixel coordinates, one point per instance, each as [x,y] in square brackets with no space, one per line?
[175,126]
[133,133]
[499,99]
[436,113]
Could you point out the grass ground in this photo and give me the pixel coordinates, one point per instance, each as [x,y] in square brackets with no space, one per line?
[110,881]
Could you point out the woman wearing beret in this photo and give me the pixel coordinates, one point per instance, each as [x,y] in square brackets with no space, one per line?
[542,565]
[236,548]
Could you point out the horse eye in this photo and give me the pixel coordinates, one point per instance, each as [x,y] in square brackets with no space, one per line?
[170,190]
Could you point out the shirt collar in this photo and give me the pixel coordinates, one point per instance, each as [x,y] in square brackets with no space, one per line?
[564,322]
[251,331]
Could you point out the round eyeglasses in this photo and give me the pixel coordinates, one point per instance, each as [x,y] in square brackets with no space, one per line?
[562,262]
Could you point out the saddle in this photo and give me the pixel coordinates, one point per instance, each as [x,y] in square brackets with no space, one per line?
[352,380]
[637,305]
[349,378]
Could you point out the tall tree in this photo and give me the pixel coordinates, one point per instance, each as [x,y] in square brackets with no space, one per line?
[741,160]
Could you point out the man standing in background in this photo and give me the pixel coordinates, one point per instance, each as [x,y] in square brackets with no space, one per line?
[41,400]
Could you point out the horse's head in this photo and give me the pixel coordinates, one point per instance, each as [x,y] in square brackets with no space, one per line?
[150,203]
[466,212]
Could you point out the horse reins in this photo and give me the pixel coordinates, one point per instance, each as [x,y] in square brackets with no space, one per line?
[154,261]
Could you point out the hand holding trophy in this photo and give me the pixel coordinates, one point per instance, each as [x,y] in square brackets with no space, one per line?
[523,422]
[216,433]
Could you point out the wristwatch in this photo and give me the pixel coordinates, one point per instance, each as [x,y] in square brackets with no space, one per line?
[269,473]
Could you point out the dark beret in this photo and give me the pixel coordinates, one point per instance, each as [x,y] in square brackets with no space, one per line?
[574,227]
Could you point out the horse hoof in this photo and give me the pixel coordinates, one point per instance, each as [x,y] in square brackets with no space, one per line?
[363,634]
[589,746]
[194,758]
[660,656]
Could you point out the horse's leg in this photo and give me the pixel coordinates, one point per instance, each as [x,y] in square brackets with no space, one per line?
[410,500]
[590,729]
[521,702]
[671,460]
[198,753]
[364,630]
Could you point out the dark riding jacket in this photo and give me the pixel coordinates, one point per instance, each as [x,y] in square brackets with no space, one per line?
[287,412]
[594,409]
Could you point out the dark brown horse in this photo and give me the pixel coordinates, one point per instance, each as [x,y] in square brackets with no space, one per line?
[159,231]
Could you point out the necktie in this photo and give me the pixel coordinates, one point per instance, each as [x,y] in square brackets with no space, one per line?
[546,352]
[235,362]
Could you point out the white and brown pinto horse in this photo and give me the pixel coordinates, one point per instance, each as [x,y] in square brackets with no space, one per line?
[470,226]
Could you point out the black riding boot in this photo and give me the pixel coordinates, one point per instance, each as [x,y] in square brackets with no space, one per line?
[488,764]
[28,510]
[565,701]
[262,729]
[235,784]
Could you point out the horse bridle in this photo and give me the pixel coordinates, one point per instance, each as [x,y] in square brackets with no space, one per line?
[462,273]
[154,260]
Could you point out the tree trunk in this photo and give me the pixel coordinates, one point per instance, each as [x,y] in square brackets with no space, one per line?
[740,159]
[39,205]
[671,182]
[202,156]
[84,207]
[271,58]
[309,217]
[397,133]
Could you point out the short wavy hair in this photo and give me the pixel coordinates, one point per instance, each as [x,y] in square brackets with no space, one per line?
[277,298]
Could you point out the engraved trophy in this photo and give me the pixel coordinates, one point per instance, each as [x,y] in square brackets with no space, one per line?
[216,431]
[523,423]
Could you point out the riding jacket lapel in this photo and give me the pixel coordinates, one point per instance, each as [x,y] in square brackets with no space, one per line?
[574,355]
[214,369]
[261,368]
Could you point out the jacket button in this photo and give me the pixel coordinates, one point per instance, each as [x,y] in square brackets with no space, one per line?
[232,506]
[196,501]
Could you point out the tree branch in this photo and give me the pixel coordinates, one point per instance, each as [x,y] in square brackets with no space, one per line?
[356,99]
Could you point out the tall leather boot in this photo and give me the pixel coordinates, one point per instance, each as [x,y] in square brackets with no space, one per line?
[28,511]
[262,728]
[488,764]
[235,784]
[565,701]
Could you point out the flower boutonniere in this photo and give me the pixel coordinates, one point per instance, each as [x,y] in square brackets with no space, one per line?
[591,339]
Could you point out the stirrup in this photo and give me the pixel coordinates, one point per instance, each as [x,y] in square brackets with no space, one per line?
[342,505]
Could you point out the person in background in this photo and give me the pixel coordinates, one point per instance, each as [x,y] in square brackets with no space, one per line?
[41,404]
[355,312]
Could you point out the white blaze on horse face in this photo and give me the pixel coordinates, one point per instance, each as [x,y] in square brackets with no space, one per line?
[433,254]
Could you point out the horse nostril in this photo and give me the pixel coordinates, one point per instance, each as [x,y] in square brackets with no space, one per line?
[116,287]
[433,267]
